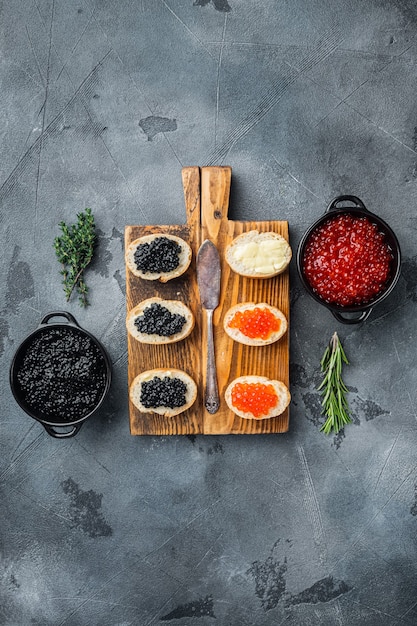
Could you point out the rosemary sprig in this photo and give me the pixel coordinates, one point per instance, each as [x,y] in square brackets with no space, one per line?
[333,389]
[75,249]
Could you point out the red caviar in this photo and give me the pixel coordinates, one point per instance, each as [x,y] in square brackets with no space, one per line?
[347,260]
[255,323]
[255,398]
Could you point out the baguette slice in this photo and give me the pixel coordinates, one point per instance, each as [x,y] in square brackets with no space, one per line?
[241,337]
[258,255]
[160,380]
[174,307]
[283,396]
[184,257]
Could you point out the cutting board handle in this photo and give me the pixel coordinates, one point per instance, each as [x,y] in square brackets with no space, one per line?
[215,192]
[206,196]
[192,196]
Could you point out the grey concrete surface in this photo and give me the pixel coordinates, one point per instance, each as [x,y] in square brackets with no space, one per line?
[102,103]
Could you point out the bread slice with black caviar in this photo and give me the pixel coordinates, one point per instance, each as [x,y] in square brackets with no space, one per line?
[164,391]
[158,321]
[158,257]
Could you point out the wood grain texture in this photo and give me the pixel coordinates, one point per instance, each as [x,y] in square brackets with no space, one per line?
[206,195]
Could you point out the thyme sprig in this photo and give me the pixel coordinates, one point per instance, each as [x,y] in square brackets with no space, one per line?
[75,249]
[333,389]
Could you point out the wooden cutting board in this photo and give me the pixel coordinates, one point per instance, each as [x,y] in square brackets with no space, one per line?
[206,192]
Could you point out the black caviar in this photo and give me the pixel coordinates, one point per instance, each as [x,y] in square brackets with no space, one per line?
[62,375]
[166,391]
[160,255]
[158,320]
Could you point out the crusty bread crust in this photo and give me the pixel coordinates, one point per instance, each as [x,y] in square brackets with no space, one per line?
[254,236]
[238,336]
[174,306]
[163,277]
[136,389]
[282,391]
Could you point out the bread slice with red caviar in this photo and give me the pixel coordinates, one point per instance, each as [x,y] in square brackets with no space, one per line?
[164,391]
[255,324]
[157,321]
[258,255]
[257,397]
[158,257]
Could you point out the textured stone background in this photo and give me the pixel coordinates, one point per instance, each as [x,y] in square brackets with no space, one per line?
[102,103]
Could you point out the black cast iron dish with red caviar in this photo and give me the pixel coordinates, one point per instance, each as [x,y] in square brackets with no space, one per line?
[60,375]
[349,260]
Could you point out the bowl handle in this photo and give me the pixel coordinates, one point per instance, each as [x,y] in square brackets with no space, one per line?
[352,320]
[354,199]
[62,435]
[70,318]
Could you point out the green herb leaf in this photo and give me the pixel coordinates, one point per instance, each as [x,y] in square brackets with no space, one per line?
[332,387]
[74,250]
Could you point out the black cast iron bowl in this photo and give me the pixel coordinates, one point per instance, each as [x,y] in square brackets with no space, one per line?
[360,312]
[56,427]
